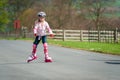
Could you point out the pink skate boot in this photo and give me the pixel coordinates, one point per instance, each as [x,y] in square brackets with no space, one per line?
[48,59]
[33,56]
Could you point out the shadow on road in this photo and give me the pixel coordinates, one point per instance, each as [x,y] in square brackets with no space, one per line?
[115,62]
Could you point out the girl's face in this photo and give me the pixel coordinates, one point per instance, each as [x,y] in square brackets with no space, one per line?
[42,19]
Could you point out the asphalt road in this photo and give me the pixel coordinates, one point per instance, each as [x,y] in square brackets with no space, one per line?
[69,64]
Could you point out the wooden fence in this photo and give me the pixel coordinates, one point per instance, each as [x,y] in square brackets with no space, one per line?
[78,35]
[88,35]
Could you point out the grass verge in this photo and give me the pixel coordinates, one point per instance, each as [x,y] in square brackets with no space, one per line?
[107,48]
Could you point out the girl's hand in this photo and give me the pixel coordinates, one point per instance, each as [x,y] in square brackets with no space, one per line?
[35,34]
[51,35]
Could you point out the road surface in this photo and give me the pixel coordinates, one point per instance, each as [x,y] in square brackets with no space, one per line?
[69,64]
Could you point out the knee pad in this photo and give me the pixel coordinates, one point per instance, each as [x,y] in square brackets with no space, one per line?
[34,46]
[45,45]
[45,48]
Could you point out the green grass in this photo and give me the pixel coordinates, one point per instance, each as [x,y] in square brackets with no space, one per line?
[107,48]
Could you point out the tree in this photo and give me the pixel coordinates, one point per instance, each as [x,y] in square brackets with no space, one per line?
[3,15]
[16,7]
[95,10]
[62,13]
[28,18]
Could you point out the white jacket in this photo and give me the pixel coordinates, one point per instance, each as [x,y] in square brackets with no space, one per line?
[40,28]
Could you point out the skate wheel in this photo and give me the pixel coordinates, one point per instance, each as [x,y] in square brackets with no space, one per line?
[28,61]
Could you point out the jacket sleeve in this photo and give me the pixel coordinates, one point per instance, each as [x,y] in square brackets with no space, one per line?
[48,28]
[35,28]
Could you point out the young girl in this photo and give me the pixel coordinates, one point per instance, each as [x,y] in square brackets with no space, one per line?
[40,33]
